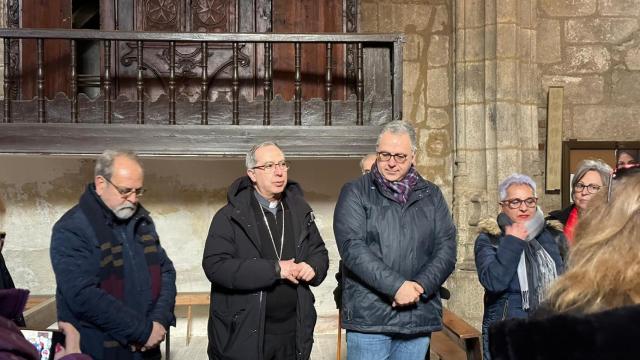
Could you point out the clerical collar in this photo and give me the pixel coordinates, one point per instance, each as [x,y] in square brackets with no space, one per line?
[271,206]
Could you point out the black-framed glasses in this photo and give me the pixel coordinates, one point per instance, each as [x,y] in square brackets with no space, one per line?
[591,188]
[126,192]
[517,203]
[385,156]
[271,167]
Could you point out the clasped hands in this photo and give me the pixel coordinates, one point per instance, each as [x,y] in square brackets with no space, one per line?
[294,272]
[157,336]
[408,294]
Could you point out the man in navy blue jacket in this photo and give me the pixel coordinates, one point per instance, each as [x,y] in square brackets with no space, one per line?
[115,283]
[398,244]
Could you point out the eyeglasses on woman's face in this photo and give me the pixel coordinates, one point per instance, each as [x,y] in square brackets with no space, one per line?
[591,188]
[517,203]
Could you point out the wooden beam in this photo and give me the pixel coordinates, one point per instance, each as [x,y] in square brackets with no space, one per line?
[186,140]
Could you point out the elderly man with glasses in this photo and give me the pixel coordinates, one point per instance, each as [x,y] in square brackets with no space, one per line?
[262,254]
[115,282]
[518,256]
[397,241]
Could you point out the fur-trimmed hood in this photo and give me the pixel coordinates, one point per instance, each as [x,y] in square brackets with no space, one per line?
[490,226]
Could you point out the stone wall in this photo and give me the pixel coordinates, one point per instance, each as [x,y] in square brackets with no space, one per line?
[427,82]
[591,48]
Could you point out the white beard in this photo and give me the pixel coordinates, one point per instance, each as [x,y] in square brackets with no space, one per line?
[124,212]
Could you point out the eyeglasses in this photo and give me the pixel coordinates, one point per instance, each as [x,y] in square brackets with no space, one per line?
[271,167]
[517,203]
[591,188]
[399,158]
[126,192]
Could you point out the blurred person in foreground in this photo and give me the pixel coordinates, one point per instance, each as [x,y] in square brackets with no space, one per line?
[14,346]
[593,310]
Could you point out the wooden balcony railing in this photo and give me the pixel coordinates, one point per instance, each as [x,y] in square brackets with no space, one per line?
[175,125]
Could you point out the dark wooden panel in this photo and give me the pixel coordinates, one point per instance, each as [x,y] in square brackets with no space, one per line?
[307,16]
[222,140]
[46,14]
[208,37]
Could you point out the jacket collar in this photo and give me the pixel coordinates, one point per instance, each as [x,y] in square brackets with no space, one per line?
[240,196]
[421,188]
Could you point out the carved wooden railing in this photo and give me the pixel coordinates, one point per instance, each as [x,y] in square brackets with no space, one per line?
[173,125]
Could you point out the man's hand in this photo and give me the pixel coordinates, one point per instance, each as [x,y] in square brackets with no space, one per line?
[408,294]
[289,270]
[518,230]
[157,336]
[306,272]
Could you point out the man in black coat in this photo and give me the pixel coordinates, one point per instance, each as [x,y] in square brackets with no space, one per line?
[398,245]
[262,253]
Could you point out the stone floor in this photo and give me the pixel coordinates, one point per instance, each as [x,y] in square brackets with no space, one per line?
[323,349]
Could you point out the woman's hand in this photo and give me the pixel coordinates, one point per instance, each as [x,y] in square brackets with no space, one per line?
[71,342]
[518,230]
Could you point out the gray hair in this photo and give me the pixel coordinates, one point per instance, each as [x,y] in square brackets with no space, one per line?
[400,127]
[104,162]
[515,179]
[585,166]
[250,159]
[365,158]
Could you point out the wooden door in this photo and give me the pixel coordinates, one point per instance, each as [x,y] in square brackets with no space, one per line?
[308,16]
[45,14]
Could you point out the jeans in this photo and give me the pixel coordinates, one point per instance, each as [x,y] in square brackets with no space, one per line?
[362,346]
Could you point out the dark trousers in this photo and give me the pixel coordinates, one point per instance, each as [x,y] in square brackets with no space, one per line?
[280,346]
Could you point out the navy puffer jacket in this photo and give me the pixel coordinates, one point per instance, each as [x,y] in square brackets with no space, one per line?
[382,244]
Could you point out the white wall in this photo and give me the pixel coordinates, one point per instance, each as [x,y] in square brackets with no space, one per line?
[183,195]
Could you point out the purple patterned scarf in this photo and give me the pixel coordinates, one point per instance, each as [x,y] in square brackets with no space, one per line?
[399,190]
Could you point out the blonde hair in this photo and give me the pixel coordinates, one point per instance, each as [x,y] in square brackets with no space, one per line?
[604,263]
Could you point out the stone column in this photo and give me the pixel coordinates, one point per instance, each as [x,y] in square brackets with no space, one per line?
[495,121]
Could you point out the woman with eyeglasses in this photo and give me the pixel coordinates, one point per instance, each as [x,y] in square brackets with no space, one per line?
[592,310]
[590,177]
[517,256]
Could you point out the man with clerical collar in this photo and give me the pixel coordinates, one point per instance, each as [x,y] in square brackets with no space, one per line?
[115,283]
[262,253]
[397,241]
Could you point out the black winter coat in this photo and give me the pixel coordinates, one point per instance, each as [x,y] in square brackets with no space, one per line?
[382,244]
[605,335]
[239,274]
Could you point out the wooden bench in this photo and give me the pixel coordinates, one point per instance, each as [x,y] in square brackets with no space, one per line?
[188,299]
[457,340]
[41,312]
